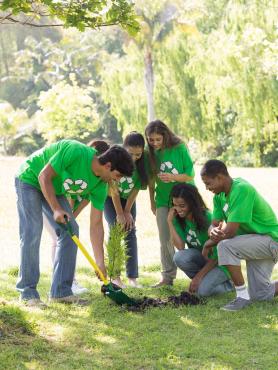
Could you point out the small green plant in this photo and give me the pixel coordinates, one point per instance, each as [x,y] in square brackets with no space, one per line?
[116,256]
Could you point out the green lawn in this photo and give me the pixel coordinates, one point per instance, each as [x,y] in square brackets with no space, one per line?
[104,336]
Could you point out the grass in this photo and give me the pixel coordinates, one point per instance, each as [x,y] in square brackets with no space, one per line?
[103,335]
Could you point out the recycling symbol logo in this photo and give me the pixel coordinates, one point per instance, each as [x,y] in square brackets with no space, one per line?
[126,184]
[74,186]
[168,167]
[192,239]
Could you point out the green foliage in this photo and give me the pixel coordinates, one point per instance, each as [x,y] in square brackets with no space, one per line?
[10,120]
[78,14]
[116,251]
[67,109]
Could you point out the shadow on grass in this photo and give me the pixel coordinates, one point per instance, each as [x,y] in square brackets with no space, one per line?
[104,335]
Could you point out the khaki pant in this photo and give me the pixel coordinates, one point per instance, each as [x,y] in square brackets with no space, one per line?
[260,253]
[169,269]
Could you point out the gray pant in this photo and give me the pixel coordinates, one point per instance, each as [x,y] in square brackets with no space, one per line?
[191,261]
[167,251]
[260,253]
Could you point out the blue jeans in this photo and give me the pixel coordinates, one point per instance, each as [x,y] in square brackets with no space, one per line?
[30,205]
[191,261]
[131,239]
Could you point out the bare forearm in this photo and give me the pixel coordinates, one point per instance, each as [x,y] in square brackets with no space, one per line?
[117,204]
[48,192]
[182,177]
[176,239]
[97,239]
[208,266]
[130,200]
[81,206]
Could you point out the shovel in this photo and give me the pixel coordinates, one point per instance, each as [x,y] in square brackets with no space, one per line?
[110,290]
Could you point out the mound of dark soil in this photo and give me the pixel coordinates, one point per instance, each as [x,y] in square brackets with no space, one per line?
[185,298]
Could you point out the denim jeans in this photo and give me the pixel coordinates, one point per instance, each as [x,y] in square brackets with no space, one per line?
[191,261]
[30,205]
[131,239]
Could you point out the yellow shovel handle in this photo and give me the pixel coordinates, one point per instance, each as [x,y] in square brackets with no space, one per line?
[89,258]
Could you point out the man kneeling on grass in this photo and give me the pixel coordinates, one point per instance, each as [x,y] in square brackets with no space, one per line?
[67,167]
[250,233]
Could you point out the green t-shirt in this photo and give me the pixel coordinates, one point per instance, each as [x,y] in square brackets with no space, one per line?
[195,238]
[247,207]
[174,160]
[72,162]
[126,184]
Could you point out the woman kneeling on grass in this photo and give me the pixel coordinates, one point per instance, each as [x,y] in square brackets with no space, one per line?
[188,221]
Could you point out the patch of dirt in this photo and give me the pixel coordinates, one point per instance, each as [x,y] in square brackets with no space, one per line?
[184,299]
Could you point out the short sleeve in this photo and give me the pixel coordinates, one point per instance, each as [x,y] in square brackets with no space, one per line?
[64,157]
[188,163]
[241,204]
[99,195]
[217,209]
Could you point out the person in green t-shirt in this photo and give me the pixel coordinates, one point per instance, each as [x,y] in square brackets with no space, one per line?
[121,205]
[170,164]
[45,179]
[244,227]
[77,203]
[188,222]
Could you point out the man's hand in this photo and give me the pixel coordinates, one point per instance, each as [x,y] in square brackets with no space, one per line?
[216,233]
[59,216]
[102,268]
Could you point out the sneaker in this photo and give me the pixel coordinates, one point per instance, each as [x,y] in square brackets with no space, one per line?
[70,299]
[78,289]
[162,283]
[133,283]
[237,304]
[34,303]
[119,283]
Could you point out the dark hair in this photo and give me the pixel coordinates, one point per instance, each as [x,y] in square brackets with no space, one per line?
[100,145]
[134,139]
[119,158]
[190,194]
[213,167]
[169,139]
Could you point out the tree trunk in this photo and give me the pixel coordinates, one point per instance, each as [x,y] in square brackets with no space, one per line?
[149,83]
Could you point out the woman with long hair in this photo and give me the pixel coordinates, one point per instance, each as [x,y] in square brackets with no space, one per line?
[121,205]
[170,163]
[188,221]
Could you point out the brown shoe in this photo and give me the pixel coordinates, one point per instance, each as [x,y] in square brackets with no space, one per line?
[162,283]
[34,303]
[70,299]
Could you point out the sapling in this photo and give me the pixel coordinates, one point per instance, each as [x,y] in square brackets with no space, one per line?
[116,255]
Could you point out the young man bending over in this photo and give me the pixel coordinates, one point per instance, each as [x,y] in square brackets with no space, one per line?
[67,167]
[244,227]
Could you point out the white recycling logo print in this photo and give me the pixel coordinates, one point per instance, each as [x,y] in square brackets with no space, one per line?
[192,238]
[74,186]
[168,167]
[126,184]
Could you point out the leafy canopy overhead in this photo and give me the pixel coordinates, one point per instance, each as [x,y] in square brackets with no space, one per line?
[70,13]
